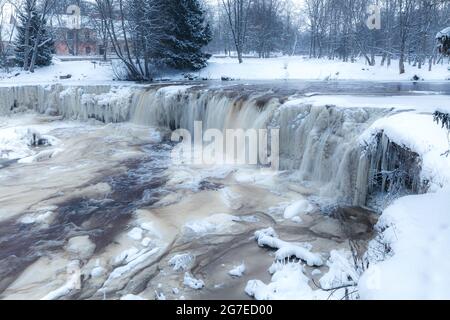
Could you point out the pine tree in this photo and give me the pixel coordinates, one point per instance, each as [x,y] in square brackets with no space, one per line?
[29,18]
[187,32]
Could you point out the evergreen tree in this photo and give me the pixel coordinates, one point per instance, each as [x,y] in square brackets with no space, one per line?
[187,32]
[29,18]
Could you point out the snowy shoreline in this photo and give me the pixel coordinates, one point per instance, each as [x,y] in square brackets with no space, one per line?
[271,69]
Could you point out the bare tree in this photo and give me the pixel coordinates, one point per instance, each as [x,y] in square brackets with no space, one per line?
[7,29]
[405,9]
[237,12]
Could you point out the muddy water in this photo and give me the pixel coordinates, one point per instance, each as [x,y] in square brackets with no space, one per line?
[115,188]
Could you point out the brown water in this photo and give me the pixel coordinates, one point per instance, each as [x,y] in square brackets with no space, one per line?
[111,179]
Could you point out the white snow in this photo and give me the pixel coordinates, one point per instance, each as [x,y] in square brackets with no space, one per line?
[81,247]
[417,229]
[139,259]
[297,208]
[15,140]
[132,297]
[98,272]
[238,271]
[288,68]
[423,102]
[125,256]
[279,68]
[182,262]
[269,238]
[414,228]
[289,282]
[316,272]
[212,224]
[72,284]
[136,234]
[420,134]
[81,71]
[341,272]
[193,283]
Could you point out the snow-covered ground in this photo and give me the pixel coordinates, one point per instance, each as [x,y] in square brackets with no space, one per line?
[417,229]
[79,71]
[290,68]
[280,68]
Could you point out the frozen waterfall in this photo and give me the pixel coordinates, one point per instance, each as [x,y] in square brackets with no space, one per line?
[320,144]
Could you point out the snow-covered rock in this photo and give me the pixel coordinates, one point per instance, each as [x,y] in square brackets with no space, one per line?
[269,238]
[288,283]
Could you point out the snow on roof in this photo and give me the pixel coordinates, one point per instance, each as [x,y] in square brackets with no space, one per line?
[445,32]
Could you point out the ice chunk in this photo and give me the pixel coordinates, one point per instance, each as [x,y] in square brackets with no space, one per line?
[182,262]
[191,282]
[297,208]
[136,234]
[238,271]
[269,238]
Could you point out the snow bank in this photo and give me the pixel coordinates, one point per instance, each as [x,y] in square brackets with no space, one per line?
[80,71]
[280,68]
[341,272]
[284,68]
[420,134]
[414,238]
[289,282]
[132,297]
[417,230]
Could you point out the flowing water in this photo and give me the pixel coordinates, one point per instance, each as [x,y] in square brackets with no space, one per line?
[104,195]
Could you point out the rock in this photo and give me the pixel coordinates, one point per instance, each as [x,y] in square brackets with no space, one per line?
[80,247]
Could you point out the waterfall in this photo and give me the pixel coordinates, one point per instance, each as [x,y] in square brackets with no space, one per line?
[320,144]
